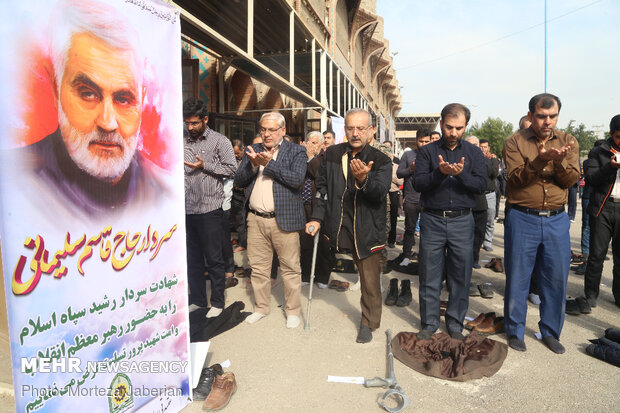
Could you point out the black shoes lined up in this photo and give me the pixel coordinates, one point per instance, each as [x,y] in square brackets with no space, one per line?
[394,298]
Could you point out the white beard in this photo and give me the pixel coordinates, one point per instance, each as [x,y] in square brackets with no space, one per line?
[105,168]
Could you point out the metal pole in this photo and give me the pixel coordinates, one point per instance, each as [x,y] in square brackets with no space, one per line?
[545,46]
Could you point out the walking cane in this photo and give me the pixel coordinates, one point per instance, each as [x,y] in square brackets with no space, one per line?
[316,243]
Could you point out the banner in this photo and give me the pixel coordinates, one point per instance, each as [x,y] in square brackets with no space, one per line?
[92,207]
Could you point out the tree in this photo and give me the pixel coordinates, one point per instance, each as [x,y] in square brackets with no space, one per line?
[585,138]
[495,131]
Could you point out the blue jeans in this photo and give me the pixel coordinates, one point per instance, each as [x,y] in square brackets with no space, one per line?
[449,242]
[536,242]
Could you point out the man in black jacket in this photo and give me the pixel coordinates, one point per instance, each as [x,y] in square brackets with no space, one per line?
[351,204]
[603,175]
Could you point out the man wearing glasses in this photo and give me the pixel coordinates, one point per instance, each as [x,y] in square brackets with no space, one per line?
[351,203]
[209,159]
[272,172]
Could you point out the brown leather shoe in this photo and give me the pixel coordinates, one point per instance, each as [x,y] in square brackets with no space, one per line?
[491,325]
[491,263]
[223,388]
[498,266]
[478,320]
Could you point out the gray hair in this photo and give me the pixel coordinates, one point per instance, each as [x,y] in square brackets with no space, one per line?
[277,116]
[316,134]
[100,20]
[358,110]
[473,140]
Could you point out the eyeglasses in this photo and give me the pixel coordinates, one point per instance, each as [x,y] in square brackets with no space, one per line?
[270,130]
[193,124]
[356,128]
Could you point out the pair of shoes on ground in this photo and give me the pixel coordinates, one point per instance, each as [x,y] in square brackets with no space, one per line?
[495,264]
[222,390]
[579,305]
[205,382]
[552,344]
[338,285]
[483,290]
[401,299]
[486,324]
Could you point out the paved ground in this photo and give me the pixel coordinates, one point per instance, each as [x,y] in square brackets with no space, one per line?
[280,370]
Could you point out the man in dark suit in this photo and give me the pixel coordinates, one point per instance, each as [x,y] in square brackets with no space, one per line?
[272,172]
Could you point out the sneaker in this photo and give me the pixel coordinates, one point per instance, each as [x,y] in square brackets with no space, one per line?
[321,285]
[304,283]
[223,388]
[487,248]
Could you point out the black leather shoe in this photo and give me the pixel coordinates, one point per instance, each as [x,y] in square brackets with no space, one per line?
[404,299]
[202,390]
[392,295]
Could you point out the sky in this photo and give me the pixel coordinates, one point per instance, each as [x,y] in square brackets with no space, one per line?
[490,56]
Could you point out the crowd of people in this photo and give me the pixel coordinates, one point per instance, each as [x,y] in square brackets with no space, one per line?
[347,194]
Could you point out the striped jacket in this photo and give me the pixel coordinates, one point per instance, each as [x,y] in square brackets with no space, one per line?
[288,172]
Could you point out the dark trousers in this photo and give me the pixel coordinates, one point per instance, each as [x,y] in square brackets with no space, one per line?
[227,252]
[480,225]
[412,212]
[394,204]
[445,242]
[369,269]
[237,217]
[325,258]
[543,243]
[603,228]
[204,240]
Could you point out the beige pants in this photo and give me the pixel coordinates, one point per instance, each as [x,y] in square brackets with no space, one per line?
[265,237]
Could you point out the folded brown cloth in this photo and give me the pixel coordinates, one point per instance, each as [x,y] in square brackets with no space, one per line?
[450,359]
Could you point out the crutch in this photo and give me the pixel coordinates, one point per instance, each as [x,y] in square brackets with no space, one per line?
[394,390]
[316,243]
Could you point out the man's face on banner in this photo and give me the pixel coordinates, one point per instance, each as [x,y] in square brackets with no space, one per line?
[100,107]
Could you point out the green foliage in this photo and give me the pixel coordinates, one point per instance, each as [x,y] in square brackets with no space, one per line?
[585,137]
[495,131]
